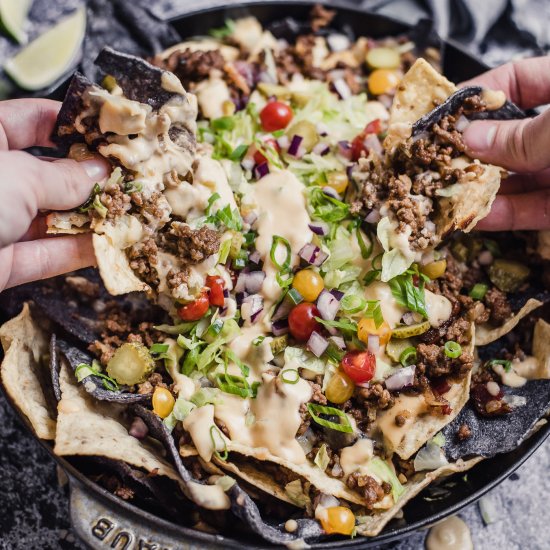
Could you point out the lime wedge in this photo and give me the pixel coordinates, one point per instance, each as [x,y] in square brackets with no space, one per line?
[13,15]
[49,56]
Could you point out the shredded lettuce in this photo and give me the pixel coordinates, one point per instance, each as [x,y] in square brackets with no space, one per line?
[303,359]
[295,492]
[321,458]
[381,470]
[394,260]
[181,410]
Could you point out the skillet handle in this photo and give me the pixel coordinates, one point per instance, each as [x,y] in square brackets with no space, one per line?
[102,525]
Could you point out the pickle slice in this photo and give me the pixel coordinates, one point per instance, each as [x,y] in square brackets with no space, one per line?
[394,348]
[278,344]
[131,364]
[508,275]
[307,131]
[383,58]
[408,331]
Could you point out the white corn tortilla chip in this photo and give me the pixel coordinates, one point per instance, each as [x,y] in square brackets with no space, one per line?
[86,427]
[541,349]
[24,344]
[485,334]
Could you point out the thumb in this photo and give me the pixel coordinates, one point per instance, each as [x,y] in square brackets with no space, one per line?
[518,145]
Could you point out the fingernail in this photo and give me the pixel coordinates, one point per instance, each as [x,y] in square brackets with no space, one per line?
[480,136]
[96,169]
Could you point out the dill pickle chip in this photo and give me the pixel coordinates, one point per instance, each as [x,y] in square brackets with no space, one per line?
[407,331]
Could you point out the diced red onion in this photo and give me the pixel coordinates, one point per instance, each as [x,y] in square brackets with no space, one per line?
[321,149]
[331,193]
[338,341]
[250,282]
[226,293]
[401,379]
[264,76]
[282,311]
[319,228]
[338,42]
[251,217]
[462,123]
[328,305]
[344,148]
[372,143]
[317,344]
[485,258]
[373,216]
[251,307]
[322,129]
[138,429]
[342,88]
[295,145]
[280,327]
[373,343]
[312,254]
[239,298]
[363,384]
[284,142]
[262,170]
[255,257]
[338,294]
[248,163]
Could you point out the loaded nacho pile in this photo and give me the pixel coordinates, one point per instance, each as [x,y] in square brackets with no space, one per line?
[290,305]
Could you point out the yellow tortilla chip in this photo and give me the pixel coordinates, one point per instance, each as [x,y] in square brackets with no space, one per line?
[485,334]
[24,344]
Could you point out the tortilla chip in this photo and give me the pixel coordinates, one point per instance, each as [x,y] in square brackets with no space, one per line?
[485,334]
[418,430]
[370,526]
[541,349]
[86,427]
[20,371]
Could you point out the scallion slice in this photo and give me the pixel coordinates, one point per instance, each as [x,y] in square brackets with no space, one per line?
[277,240]
[453,349]
[408,356]
[478,291]
[290,376]
[504,362]
[314,410]
[351,303]
[218,435]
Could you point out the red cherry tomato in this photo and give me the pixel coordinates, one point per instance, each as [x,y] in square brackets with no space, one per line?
[275,116]
[215,284]
[259,157]
[301,321]
[193,311]
[358,143]
[359,365]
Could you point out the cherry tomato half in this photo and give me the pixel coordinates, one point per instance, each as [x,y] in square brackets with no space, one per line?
[276,115]
[301,321]
[193,311]
[359,365]
[259,157]
[358,143]
[215,284]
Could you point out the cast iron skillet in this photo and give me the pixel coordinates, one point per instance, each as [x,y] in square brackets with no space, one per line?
[104,521]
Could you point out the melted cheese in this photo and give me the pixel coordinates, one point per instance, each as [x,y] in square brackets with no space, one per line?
[438,307]
[199,423]
[355,458]
[212,94]
[391,310]
[274,417]
[451,534]
[256,357]
[279,200]
[521,371]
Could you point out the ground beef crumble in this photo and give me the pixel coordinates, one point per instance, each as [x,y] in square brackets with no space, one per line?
[368,487]
[191,246]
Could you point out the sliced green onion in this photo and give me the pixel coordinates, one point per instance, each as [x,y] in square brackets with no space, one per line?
[314,410]
[453,349]
[223,123]
[342,324]
[504,362]
[478,291]
[351,303]
[294,296]
[333,353]
[277,240]
[258,340]
[224,251]
[211,200]
[408,356]
[191,360]
[366,250]
[236,385]
[159,348]
[214,329]
[83,370]
[371,276]
[284,278]
[89,204]
[492,247]
[238,153]
[290,376]
[377,262]
[215,430]
[374,311]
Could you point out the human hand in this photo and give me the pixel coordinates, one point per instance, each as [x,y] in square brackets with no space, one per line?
[29,184]
[521,146]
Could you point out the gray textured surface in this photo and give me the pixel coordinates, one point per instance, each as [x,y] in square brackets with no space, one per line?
[33,507]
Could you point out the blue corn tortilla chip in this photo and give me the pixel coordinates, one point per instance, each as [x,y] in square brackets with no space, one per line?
[498,434]
[54,367]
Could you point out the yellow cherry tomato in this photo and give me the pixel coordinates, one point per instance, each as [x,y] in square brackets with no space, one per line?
[338,181]
[340,388]
[381,81]
[309,284]
[163,402]
[367,326]
[338,520]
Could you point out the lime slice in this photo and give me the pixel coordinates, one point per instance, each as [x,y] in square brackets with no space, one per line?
[49,56]
[13,15]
